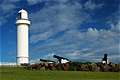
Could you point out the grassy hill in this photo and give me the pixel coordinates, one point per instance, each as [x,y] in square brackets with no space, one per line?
[12,73]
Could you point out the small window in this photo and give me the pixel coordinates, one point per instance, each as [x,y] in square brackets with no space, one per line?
[19,16]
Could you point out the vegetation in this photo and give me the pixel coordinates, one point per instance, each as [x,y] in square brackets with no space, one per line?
[19,73]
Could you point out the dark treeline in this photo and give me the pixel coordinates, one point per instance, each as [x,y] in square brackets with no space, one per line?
[75,66]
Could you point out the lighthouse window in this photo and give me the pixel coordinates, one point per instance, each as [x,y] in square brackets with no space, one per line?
[19,16]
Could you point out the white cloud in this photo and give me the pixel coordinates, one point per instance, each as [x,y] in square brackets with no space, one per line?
[2,20]
[75,53]
[115,27]
[32,2]
[91,5]
[7,8]
[115,58]
[57,18]
[0,23]
[49,56]
[86,45]
[67,17]
[12,1]
[42,36]
[8,5]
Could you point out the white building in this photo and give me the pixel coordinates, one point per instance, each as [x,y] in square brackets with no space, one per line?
[22,24]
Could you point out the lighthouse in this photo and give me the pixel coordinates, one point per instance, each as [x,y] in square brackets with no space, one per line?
[22,25]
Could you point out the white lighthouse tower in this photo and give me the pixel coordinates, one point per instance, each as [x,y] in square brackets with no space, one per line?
[22,24]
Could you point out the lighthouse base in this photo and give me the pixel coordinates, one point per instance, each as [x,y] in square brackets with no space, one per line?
[22,60]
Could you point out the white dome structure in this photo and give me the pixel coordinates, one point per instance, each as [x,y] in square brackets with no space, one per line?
[22,14]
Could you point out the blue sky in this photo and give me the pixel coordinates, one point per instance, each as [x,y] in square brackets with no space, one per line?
[81,30]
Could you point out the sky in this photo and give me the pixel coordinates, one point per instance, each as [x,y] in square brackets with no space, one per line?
[80,30]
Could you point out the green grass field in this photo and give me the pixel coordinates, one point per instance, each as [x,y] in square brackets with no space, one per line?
[22,74]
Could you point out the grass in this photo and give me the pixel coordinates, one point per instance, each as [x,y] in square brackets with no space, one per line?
[7,73]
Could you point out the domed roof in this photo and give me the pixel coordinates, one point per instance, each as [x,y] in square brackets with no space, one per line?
[22,11]
[22,14]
